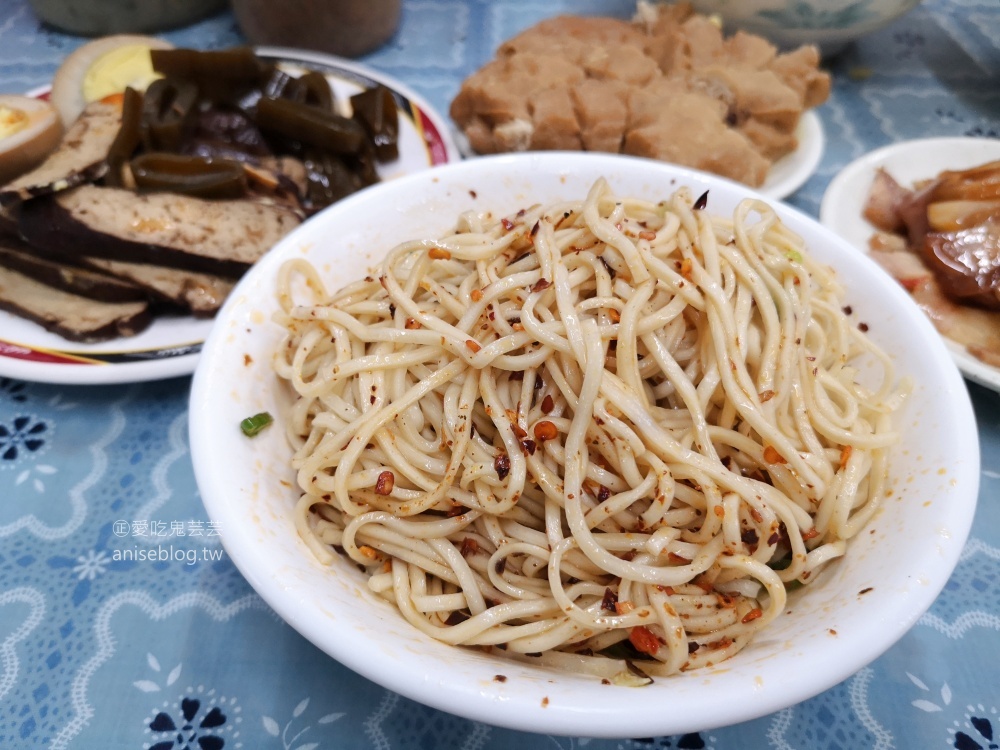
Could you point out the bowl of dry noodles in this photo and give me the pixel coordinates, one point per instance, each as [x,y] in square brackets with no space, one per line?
[584,445]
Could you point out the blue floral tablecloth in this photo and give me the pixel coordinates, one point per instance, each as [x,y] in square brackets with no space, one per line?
[124,625]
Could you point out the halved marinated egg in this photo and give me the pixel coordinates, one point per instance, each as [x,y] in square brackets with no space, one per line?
[102,68]
[29,130]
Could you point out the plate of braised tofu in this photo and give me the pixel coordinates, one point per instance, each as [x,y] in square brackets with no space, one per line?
[123,239]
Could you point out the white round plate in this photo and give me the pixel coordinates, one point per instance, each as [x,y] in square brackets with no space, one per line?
[171,345]
[861,606]
[908,162]
[784,177]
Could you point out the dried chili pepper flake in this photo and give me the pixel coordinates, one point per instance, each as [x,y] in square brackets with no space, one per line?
[476,294]
[548,404]
[623,607]
[754,614]
[686,268]
[368,552]
[519,431]
[472,345]
[756,516]
[765,396]
[528,446]
[749,537]
[541,285]
[603,493]
[534,229]
[439,253]
[772,456]
[675,558]
[507,223]
[719,511]
[609,601]
[811,534]
[499,678]
[469,547]
[545,430]
[845,455]
[411,324]
[501,566]
[702,202]
[384,483]
[647,235]
[726,601]
[614,316]
[502,465]
[644,640]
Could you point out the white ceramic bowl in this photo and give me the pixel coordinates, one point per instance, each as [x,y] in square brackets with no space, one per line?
[829,24]
[831,631]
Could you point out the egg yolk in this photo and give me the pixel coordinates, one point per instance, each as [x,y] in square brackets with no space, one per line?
[12,121]
[117,70]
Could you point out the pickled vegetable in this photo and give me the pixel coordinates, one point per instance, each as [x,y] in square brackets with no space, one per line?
[376,110]
[127,140]
[168,110]
[216,114]
[189,175]
[310,125]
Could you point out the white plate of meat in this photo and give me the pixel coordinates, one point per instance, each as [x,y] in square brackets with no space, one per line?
[169,344]
[971,331]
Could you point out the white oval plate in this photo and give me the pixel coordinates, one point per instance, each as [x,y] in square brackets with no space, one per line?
[908,162]
[784,177]
[171,345]
[831,630]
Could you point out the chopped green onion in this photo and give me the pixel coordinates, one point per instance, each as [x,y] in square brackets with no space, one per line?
[794,255]
[252,425]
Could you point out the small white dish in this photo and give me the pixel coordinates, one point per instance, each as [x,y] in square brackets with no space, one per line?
[866,601]
[170,346]
[786,175]
[908,162]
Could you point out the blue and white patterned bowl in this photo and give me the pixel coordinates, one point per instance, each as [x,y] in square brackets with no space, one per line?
[829,24]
